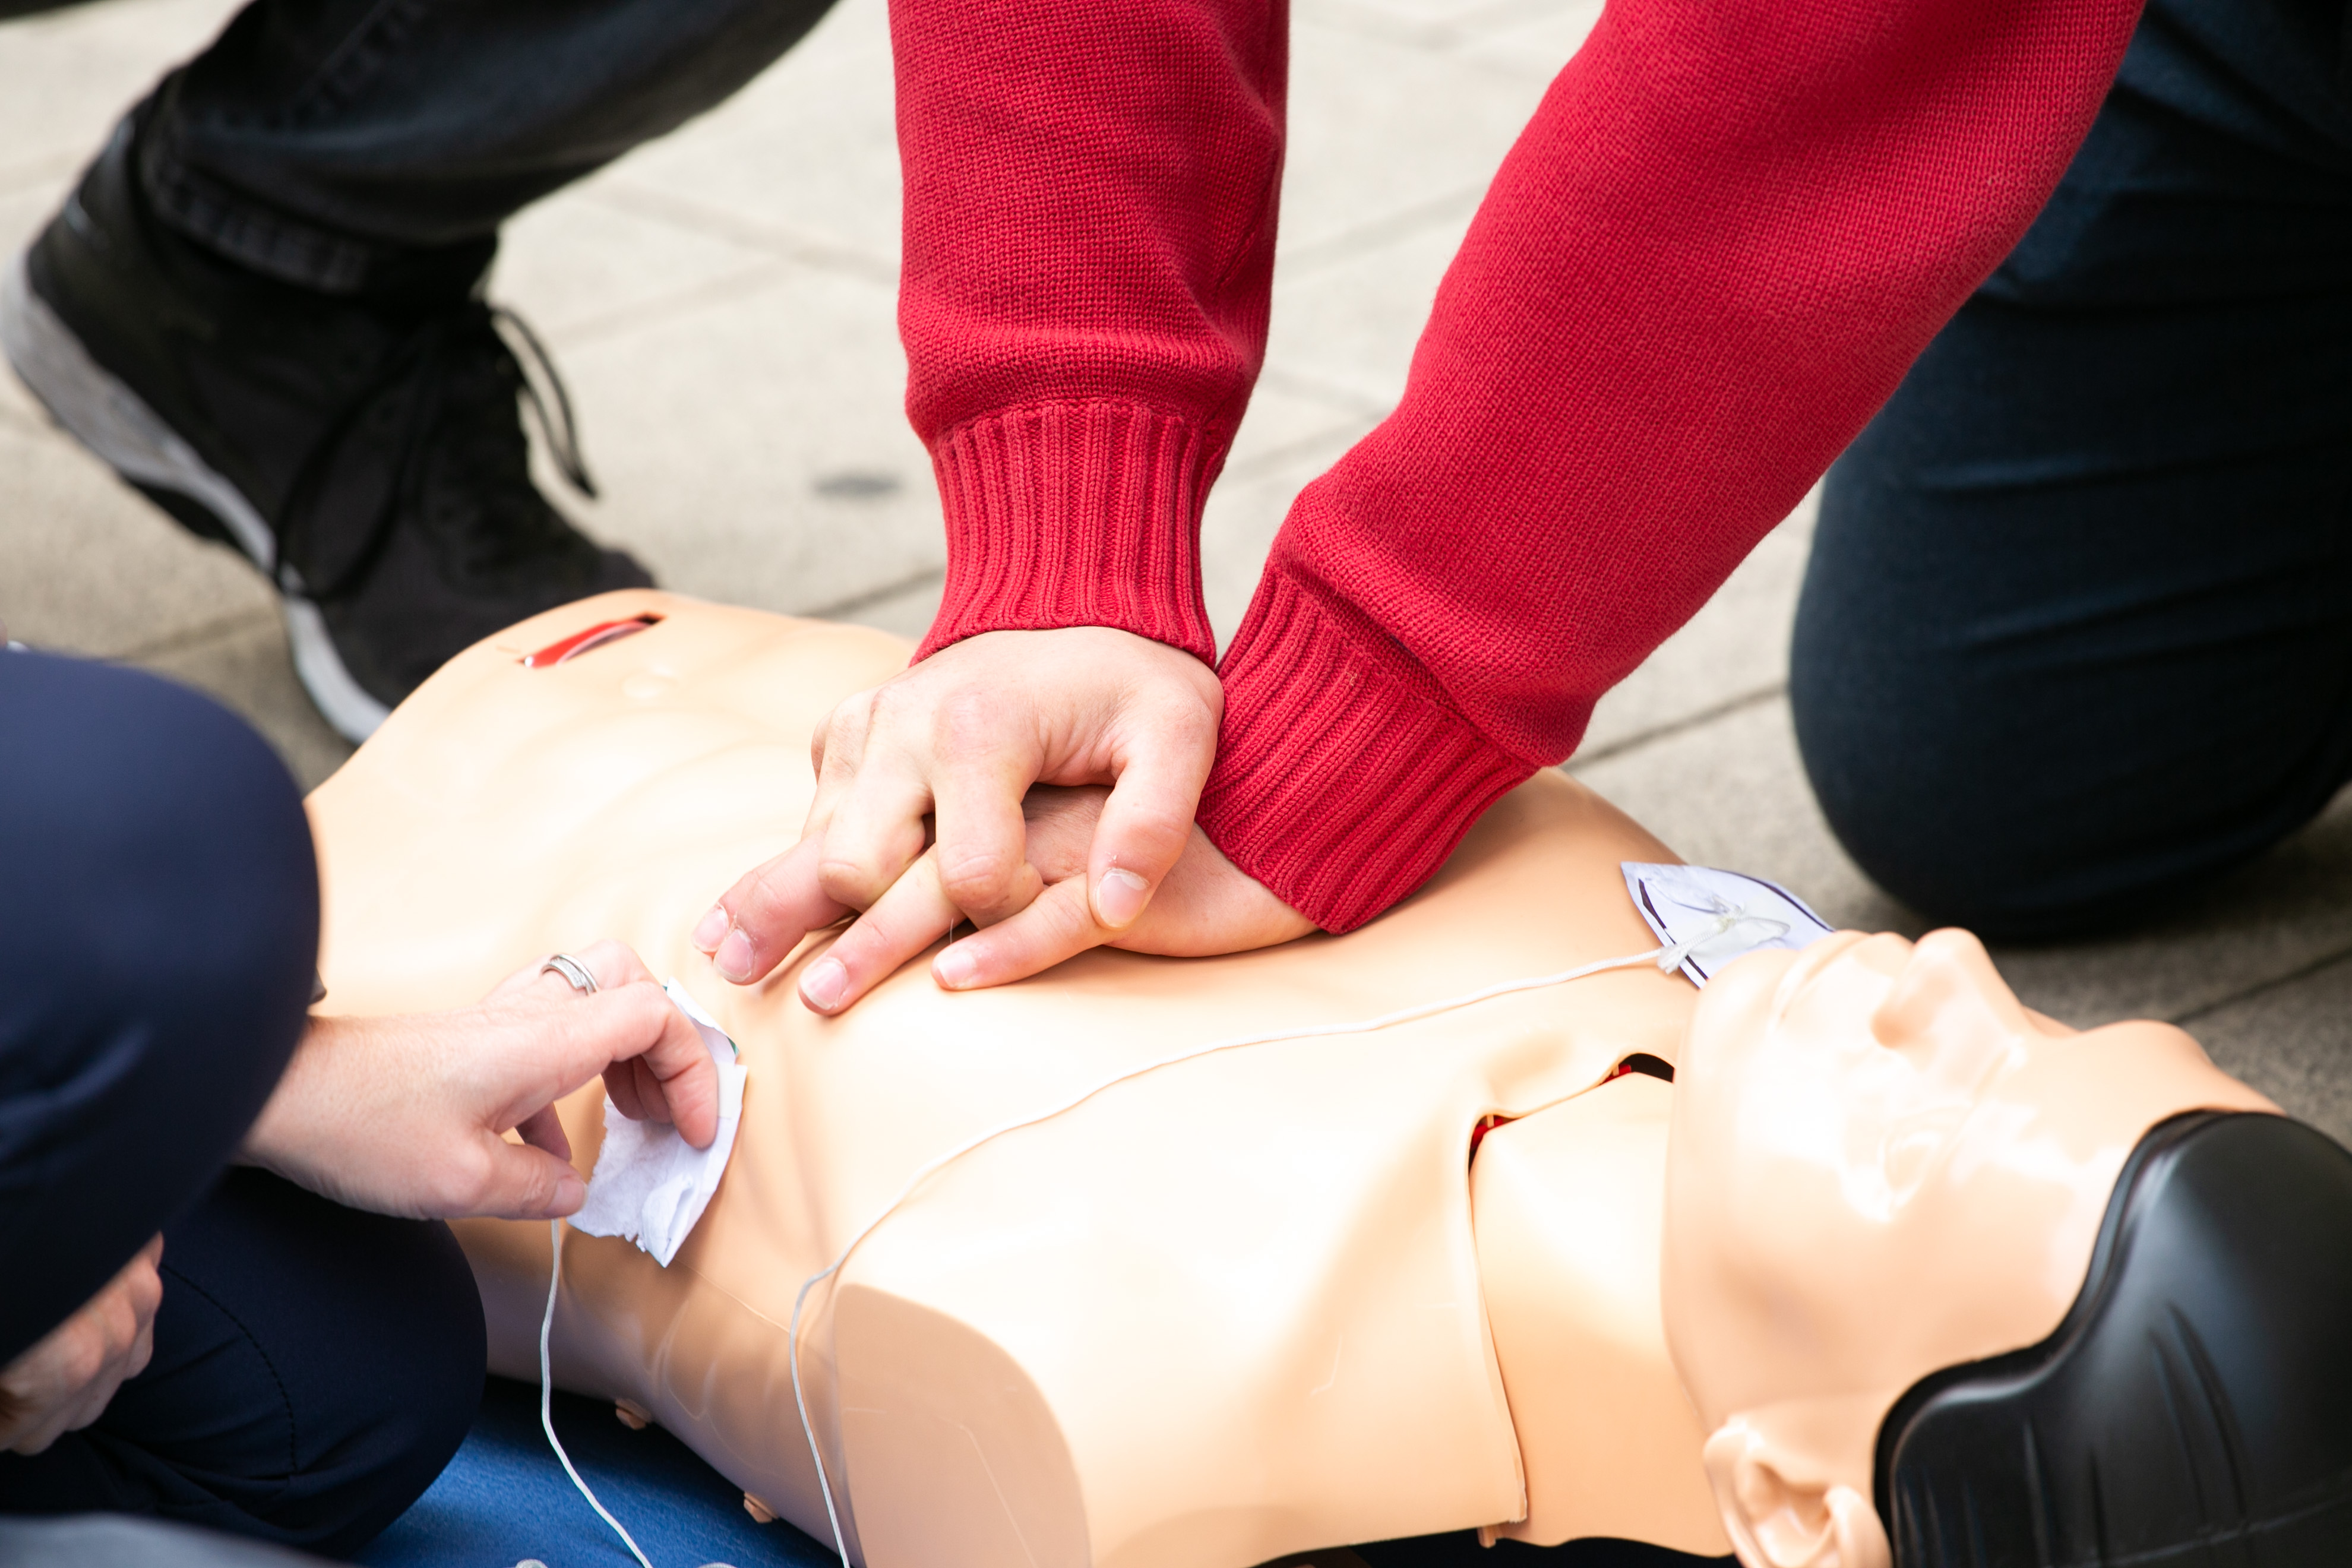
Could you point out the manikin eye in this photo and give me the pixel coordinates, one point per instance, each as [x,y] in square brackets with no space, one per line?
[1896,1126]
[1912,1145]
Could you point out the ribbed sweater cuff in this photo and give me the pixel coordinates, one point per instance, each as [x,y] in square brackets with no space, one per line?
[1340,784]
[1074,514]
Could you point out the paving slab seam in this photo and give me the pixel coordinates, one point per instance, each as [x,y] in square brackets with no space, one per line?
[1332,440]
[1673,727]
[623,195]
[640,314]
[1454,206]
[2301,972]
[1315,388]
[843,608]
[189,638]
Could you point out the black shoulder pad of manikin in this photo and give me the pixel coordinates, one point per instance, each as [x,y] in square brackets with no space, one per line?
[2193,1409]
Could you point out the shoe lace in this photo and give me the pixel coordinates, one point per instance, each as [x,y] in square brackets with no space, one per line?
[562,433]
[472,361]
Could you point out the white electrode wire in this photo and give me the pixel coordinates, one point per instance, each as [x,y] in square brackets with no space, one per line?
[1667,958]
[547,1396]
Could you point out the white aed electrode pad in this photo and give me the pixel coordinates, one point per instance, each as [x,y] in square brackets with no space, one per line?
[1681,903]
[650,1184]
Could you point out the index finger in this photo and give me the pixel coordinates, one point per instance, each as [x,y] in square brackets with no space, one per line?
[633,1027]
[682,1073]
[1147,819]
[759,920]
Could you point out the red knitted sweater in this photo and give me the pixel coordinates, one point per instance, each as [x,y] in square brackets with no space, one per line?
[1727,231]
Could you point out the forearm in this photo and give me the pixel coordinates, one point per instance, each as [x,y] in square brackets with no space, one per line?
[1725,236]
[407,1115]
[1089,242]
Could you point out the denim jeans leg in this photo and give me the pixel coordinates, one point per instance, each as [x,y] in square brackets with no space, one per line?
[323,141]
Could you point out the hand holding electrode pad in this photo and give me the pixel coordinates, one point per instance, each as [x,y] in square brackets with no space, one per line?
[650,1184]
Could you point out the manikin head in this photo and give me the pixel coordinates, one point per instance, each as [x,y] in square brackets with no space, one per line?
[1950,1283]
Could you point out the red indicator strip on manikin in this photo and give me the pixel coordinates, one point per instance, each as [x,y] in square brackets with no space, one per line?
[595,636]
[1639,1061]
[1487,1124]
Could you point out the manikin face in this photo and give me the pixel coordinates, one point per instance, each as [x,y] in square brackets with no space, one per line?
[1881,1166]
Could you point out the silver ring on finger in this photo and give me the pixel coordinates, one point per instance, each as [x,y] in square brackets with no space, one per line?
[577,974]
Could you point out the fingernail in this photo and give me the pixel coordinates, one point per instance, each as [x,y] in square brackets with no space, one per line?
[570,1191]
[824,984]
[1118,898]
[954,968]
[733,958]
[712,927]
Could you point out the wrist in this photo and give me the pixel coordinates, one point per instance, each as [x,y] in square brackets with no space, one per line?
[272,1138]
[1070,514]
[1343,779]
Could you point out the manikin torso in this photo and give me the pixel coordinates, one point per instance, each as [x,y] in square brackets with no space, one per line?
[1251,1304]
[1229,1311]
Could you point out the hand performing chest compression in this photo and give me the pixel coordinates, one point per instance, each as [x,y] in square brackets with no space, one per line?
[929,814]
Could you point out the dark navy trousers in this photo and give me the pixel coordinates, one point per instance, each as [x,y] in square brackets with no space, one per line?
[314,1367]
[2077,631]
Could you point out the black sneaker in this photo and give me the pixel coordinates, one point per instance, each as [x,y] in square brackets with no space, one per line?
[368,455]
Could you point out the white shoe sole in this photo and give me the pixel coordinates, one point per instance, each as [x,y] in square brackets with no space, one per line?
[115,424]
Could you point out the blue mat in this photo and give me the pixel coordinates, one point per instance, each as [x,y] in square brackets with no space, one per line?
[504,1498]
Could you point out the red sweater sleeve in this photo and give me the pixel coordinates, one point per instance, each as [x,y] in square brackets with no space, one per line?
[1729,230]
[1725,235]
[1090,194]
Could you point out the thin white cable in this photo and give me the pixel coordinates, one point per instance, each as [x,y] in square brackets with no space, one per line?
[1667,958]
[547,1397]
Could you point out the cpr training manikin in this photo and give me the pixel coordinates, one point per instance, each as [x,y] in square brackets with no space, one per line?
[1893,1271]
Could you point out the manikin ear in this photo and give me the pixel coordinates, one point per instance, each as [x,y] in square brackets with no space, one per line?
[1777,1522]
